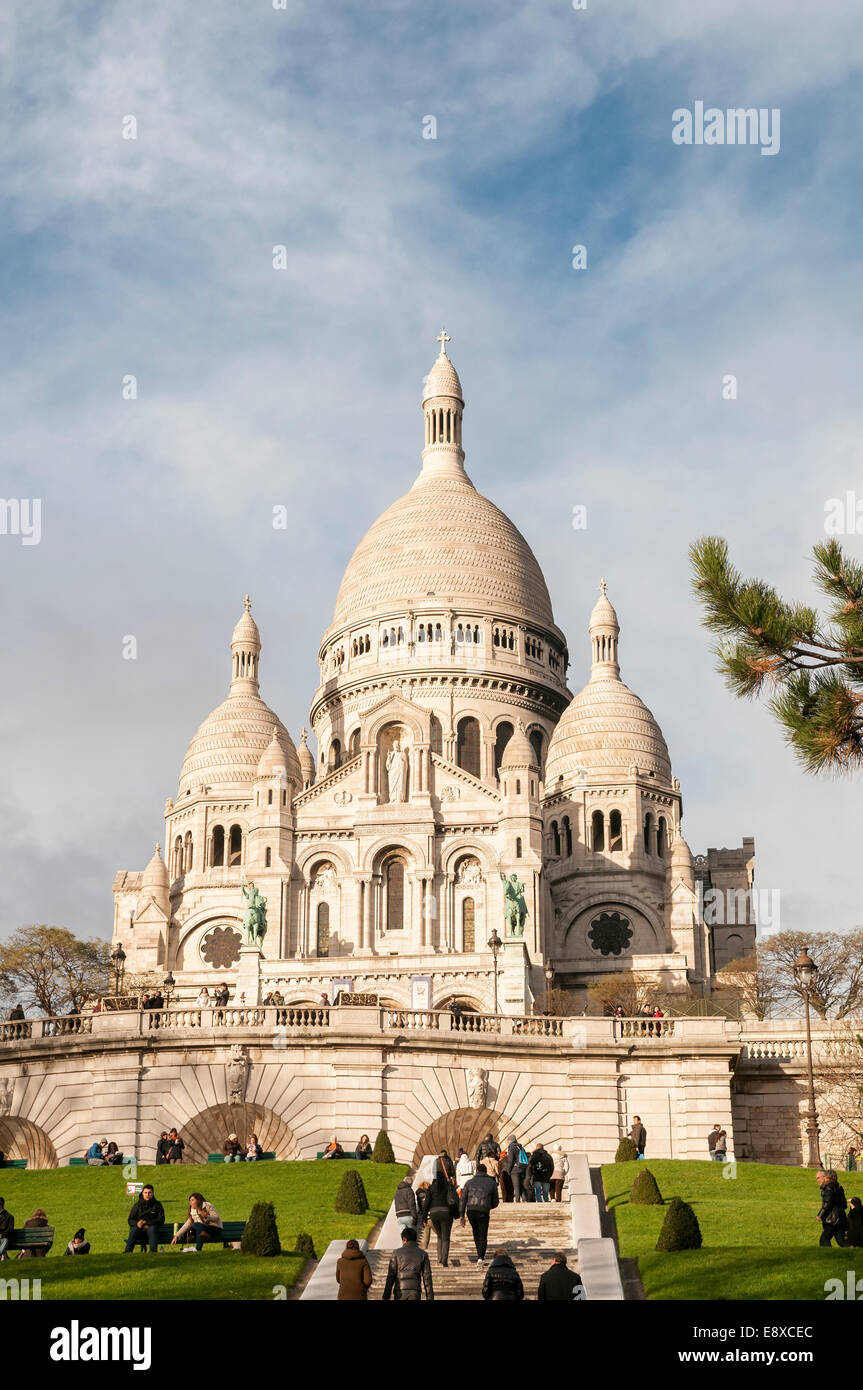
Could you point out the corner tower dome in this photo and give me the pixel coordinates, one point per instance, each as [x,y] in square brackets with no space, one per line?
[443,542]
[606,729]
[227,748]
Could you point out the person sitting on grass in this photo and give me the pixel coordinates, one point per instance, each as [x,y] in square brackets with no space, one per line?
[232,1150]
[203,1219]
[36,1220]
[855,1222]
[145,1218]
[7,1226]
[95,1155]
[364,1148]
[79,1244]
[253,1150]
[334,1149]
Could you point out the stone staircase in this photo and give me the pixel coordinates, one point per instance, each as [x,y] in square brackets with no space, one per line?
[530,1232]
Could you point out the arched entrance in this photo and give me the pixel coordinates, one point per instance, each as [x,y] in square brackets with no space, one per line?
[22,1139]
[462,1129]
[207,1131]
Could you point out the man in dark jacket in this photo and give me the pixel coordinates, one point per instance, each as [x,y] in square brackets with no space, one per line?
[513,1164]
[638,1135]
[145,1218]
[834,1222]
[163,1148]
[503,1281]
[409,1272]
[406,1206]
[488,1149]
[539,1172]
[559,1283]
[478,1200]
[7,1226]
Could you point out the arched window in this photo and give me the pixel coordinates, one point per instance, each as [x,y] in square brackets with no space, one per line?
[468,925]
[469,746]
[597,830]
[354,744]
[555,839]
[235,846]
[536,741]
[567,837]
[660,836]
[518,848]
[323,929]
[503,734]
[335,755]
[615,832]
[394,882]
[178,857]
[187,853]
[436,735]
[269,796]
[218,855]
[648,832]
[268,858]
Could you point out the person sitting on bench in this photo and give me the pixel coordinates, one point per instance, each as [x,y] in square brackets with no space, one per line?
[334,1149]
[37,1219]
[95,1155]
[145,1218]
[232,1150]
[203,1219]
[253,1150]
[7,1226]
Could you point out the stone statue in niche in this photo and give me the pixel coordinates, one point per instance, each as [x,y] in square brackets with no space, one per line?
[6,1092]
[477,1086]
[469,873]
[238,1071]
[325,878]
[397,772]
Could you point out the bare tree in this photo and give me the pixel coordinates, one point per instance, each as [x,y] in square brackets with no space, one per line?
[753,982]
[838,988]
[625,989]
[52,970]
[838,1070]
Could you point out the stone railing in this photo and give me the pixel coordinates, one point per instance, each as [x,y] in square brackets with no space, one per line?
[15,1030]
[266,1016]
[644,1027]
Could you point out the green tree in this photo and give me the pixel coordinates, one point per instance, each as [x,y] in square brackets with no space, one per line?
[645,1189]
[811,665]
[52,970]
[351,1196]
[680,1229]
[626,1152]
[261,1234]
[383,1149]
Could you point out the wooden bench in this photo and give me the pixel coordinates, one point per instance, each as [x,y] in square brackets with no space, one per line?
[29,1236]
[220,1158]
[13,1163]
[231,1231]
[85,1163]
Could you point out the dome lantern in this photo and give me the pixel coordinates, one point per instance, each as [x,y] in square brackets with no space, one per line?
[245,650]
[604,632]
[443,406]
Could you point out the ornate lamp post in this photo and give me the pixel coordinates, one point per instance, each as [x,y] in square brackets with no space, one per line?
[549,979]
[169,983]
[494,945]
[118,958]
[805,971]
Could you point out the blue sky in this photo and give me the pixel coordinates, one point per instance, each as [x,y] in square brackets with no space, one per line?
[303,127]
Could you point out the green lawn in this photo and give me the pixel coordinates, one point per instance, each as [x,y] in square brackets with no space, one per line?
[759,1230]
[303,1195]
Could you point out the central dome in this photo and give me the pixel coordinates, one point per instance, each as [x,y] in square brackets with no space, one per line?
[443,542]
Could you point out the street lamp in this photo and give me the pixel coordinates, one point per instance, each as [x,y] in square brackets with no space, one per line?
[494,945]
[549,977]
[118,956]
[169,983]
[805,971]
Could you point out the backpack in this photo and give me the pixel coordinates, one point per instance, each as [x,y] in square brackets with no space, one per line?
[522,1156]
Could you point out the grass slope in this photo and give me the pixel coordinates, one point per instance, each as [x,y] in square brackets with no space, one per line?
[303,1195]
[759,1230]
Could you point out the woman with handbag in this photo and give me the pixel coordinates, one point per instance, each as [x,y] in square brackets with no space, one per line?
[440,1207]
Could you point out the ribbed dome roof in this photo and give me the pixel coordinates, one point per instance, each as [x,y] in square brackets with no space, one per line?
[227,748]
[606,728]
[443,541]
[306,760]
[273,760]
[519,751]
[155,876]
[442,380]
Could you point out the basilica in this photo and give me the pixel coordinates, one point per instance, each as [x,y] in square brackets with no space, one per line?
[460,826]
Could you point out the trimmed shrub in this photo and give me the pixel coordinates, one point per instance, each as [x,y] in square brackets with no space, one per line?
[680,1229]
[626,1151]
[261,1236]
[306,1246]
[645,1190]
[383,1150]
[351,1196]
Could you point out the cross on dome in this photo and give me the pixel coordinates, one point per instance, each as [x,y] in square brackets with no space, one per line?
[443,338]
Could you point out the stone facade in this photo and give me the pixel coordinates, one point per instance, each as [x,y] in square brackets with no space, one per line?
[450,753]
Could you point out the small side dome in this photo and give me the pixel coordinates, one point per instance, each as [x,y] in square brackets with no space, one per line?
[155,876]
[273,762]
[682,862]
[306,761]
[519,752]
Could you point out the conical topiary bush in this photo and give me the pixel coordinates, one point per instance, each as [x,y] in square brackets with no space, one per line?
[626,1151]
[351,1196]
[645,1190]
[306,1246]
[261,1236]
[680,1229]
[383,1150]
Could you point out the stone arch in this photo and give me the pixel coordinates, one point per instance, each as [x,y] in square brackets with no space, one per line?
[468,849]
[20,1138]
[469,1002]
[320,853]
[207,1131]
[462,1129]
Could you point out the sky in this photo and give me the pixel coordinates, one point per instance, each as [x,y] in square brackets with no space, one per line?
[152,257]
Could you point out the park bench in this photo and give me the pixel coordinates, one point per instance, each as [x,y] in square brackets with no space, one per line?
[13,1163]
[83,1162]
[231,1231]
[220,1158]
[31,1235]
